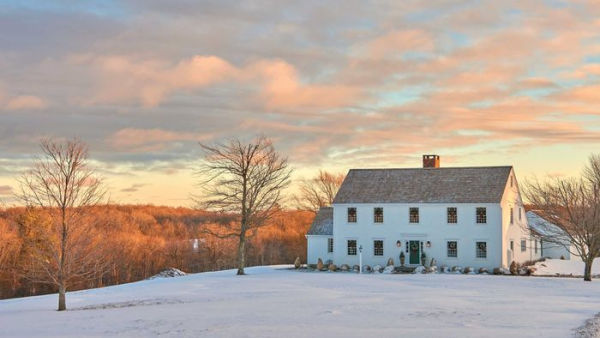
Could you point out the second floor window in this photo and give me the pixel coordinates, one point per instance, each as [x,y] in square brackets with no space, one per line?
[378,248]
[523,245]
[512,218]
[413,216]
[352,247]
[481,249]
[452,247]
[330,245]
[452,215]
[378,215]
[481,215]
[520,213]
[351,215]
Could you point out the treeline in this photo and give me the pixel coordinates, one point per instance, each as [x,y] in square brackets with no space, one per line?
[136,242]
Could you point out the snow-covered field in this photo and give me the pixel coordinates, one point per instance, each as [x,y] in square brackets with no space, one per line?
[276,302]
[573,267]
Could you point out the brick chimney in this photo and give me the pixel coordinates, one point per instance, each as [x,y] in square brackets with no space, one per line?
[431,161]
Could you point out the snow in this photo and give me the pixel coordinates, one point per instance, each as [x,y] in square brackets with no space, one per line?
[565,267]
[279,301]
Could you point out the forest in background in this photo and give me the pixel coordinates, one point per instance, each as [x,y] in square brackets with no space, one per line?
[137,242]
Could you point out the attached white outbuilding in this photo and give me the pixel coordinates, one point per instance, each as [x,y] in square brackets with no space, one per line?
[560,247]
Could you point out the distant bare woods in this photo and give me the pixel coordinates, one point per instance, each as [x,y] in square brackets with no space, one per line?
[140,241]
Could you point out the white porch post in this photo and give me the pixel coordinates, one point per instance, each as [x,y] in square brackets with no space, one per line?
[360,259]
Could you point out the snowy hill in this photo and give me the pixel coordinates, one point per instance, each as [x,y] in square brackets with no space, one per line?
[275,301]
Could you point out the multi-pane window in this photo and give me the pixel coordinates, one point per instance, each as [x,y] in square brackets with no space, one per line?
[452,215]
[523,245]
[351,215]
[378,247]
[535,246]
[352,247]
[512,219]
[330,245]
[413,215]
[481,249]
[452,248]
[481,214]
[378,215]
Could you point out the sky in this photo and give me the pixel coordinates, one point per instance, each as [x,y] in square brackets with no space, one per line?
[336,85]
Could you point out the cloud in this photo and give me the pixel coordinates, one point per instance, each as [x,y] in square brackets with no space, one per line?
[149,82]
[6,190]
[133,188]
[132,139]
[21,102]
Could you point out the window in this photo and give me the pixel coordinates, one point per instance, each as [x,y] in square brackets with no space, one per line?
[520,213]
[378,247]
[330,245]
[523,245]
[535,246]
[511,181]
[512,219]
[481,215]
[512,245]
[351,215]
[413,215]
[378,215]
[452,249]
[481,249]
[452,215]
[352,247]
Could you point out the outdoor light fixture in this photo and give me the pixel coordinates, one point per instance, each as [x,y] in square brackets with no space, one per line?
[428,244]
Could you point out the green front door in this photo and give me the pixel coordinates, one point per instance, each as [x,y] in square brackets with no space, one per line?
[413,249]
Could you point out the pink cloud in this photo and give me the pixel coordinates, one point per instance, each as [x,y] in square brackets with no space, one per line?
[23,102]
[122,79]
[131,139]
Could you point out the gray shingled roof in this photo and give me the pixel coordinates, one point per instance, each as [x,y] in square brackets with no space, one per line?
[424,185]
[323,222]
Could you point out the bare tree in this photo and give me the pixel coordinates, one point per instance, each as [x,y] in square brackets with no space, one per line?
[571,210]
[318,191]
[245,180]
[60,189]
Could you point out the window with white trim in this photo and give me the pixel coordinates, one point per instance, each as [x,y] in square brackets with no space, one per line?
[535,248]
[413,216]
[378,247]
[452,249]
[330,244]
[523,245]
[351,215]
[481,215]
[378,215]
[481,249]
[352,247]
[452,215]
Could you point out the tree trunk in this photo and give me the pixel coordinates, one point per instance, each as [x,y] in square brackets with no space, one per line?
[62,304]
[587,275]
[241,254]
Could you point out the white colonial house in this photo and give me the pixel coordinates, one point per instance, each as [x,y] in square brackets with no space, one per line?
[460,216]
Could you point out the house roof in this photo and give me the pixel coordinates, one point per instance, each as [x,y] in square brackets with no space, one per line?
[544,227]
[322,223]
[424,185]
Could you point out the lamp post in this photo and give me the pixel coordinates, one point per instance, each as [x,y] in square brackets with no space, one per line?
[360,259]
